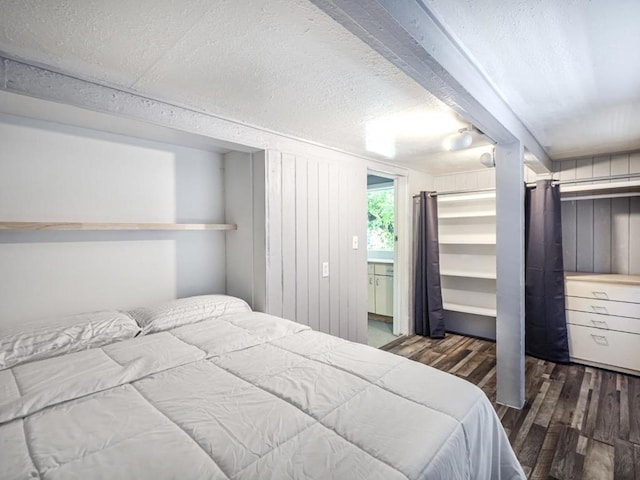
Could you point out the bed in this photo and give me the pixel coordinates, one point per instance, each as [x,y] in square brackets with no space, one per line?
[241,395]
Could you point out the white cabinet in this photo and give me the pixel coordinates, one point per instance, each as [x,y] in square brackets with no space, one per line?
[603,320]
[372,293]
[380,288]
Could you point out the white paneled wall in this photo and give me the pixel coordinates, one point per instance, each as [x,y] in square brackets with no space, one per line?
[485,178]
[314,208]
[295,213]
[601,235]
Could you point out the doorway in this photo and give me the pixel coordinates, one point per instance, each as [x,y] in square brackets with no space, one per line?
[381,258]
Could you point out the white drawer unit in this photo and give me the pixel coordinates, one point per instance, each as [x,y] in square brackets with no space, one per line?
[603,320]
[606,348]
[383,269]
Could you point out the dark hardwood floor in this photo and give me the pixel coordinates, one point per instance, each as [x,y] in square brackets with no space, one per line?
[577,423]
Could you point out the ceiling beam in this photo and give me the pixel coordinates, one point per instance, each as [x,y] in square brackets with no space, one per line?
[408,35]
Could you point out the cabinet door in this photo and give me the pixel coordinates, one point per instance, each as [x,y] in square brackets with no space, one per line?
[372,293]
[384,295]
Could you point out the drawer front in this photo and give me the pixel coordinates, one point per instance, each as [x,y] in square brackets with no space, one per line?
[604,307]
[605,322]
[371,268]
[384,269]
[603,291]
[608,347]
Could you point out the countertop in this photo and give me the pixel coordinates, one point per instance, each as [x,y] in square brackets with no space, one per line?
[381,260]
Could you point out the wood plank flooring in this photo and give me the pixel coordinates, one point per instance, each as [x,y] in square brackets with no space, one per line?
[578,422]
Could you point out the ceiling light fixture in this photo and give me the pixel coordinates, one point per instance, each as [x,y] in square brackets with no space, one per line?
[488,159]
[459,141]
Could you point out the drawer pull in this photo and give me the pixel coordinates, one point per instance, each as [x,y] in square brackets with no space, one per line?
[370,280]
[599,339]
[601,295]
[600,324]
[599,309]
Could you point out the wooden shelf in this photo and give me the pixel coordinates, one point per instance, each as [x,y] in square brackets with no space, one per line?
[486,214]
[114,226]
[466,274]
[454,307]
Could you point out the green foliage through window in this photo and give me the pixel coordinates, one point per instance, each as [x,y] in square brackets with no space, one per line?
[380,232]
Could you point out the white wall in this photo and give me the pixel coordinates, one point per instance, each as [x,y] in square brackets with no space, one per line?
[50,172]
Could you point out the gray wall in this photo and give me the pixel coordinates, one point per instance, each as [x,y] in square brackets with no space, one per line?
[601,235]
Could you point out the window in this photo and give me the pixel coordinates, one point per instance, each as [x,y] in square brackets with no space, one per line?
[380,227]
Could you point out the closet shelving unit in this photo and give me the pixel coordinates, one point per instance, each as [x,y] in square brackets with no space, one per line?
[114,226]
[467,237]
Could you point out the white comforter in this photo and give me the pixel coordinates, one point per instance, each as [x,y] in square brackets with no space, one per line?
[244,397]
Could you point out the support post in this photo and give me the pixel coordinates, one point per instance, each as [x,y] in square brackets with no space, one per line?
[510,274]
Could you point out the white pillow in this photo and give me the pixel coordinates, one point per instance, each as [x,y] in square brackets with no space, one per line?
[52,337]
[183,311]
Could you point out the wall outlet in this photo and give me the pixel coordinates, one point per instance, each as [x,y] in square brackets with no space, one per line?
[325,269]
[354,242]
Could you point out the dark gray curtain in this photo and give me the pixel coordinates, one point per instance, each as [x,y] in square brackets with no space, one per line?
[428,312]
[545,320]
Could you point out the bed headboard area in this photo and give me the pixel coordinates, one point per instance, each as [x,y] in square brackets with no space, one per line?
[57,173]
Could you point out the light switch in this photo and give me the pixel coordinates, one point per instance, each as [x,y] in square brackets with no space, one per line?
[325,269]
[354,242]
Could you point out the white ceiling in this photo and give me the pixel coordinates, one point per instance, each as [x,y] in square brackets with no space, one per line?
[280,65]
[569,69]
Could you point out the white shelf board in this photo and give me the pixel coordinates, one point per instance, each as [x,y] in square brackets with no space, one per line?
[467,240]
[463,197]
[467,274]
[455,307]
[445,216]
[602,188]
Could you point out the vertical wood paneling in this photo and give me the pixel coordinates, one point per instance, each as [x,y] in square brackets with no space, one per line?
[345,252]
[353,259]
[584,216]
[620,235]
[602,235]
[288,237]
[602,220]
[358,218]
[620,165]
[569,221]
[259,162]
[601,168]
[569,236]
[313,244]
[634,236]
[274,237]
[323,237]
[334,248]
[634,162]
[302,247]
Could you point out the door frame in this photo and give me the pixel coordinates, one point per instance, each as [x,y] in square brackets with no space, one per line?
[402,245]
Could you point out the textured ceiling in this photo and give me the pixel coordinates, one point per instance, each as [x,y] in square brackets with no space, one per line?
[569,69]
[280,65]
